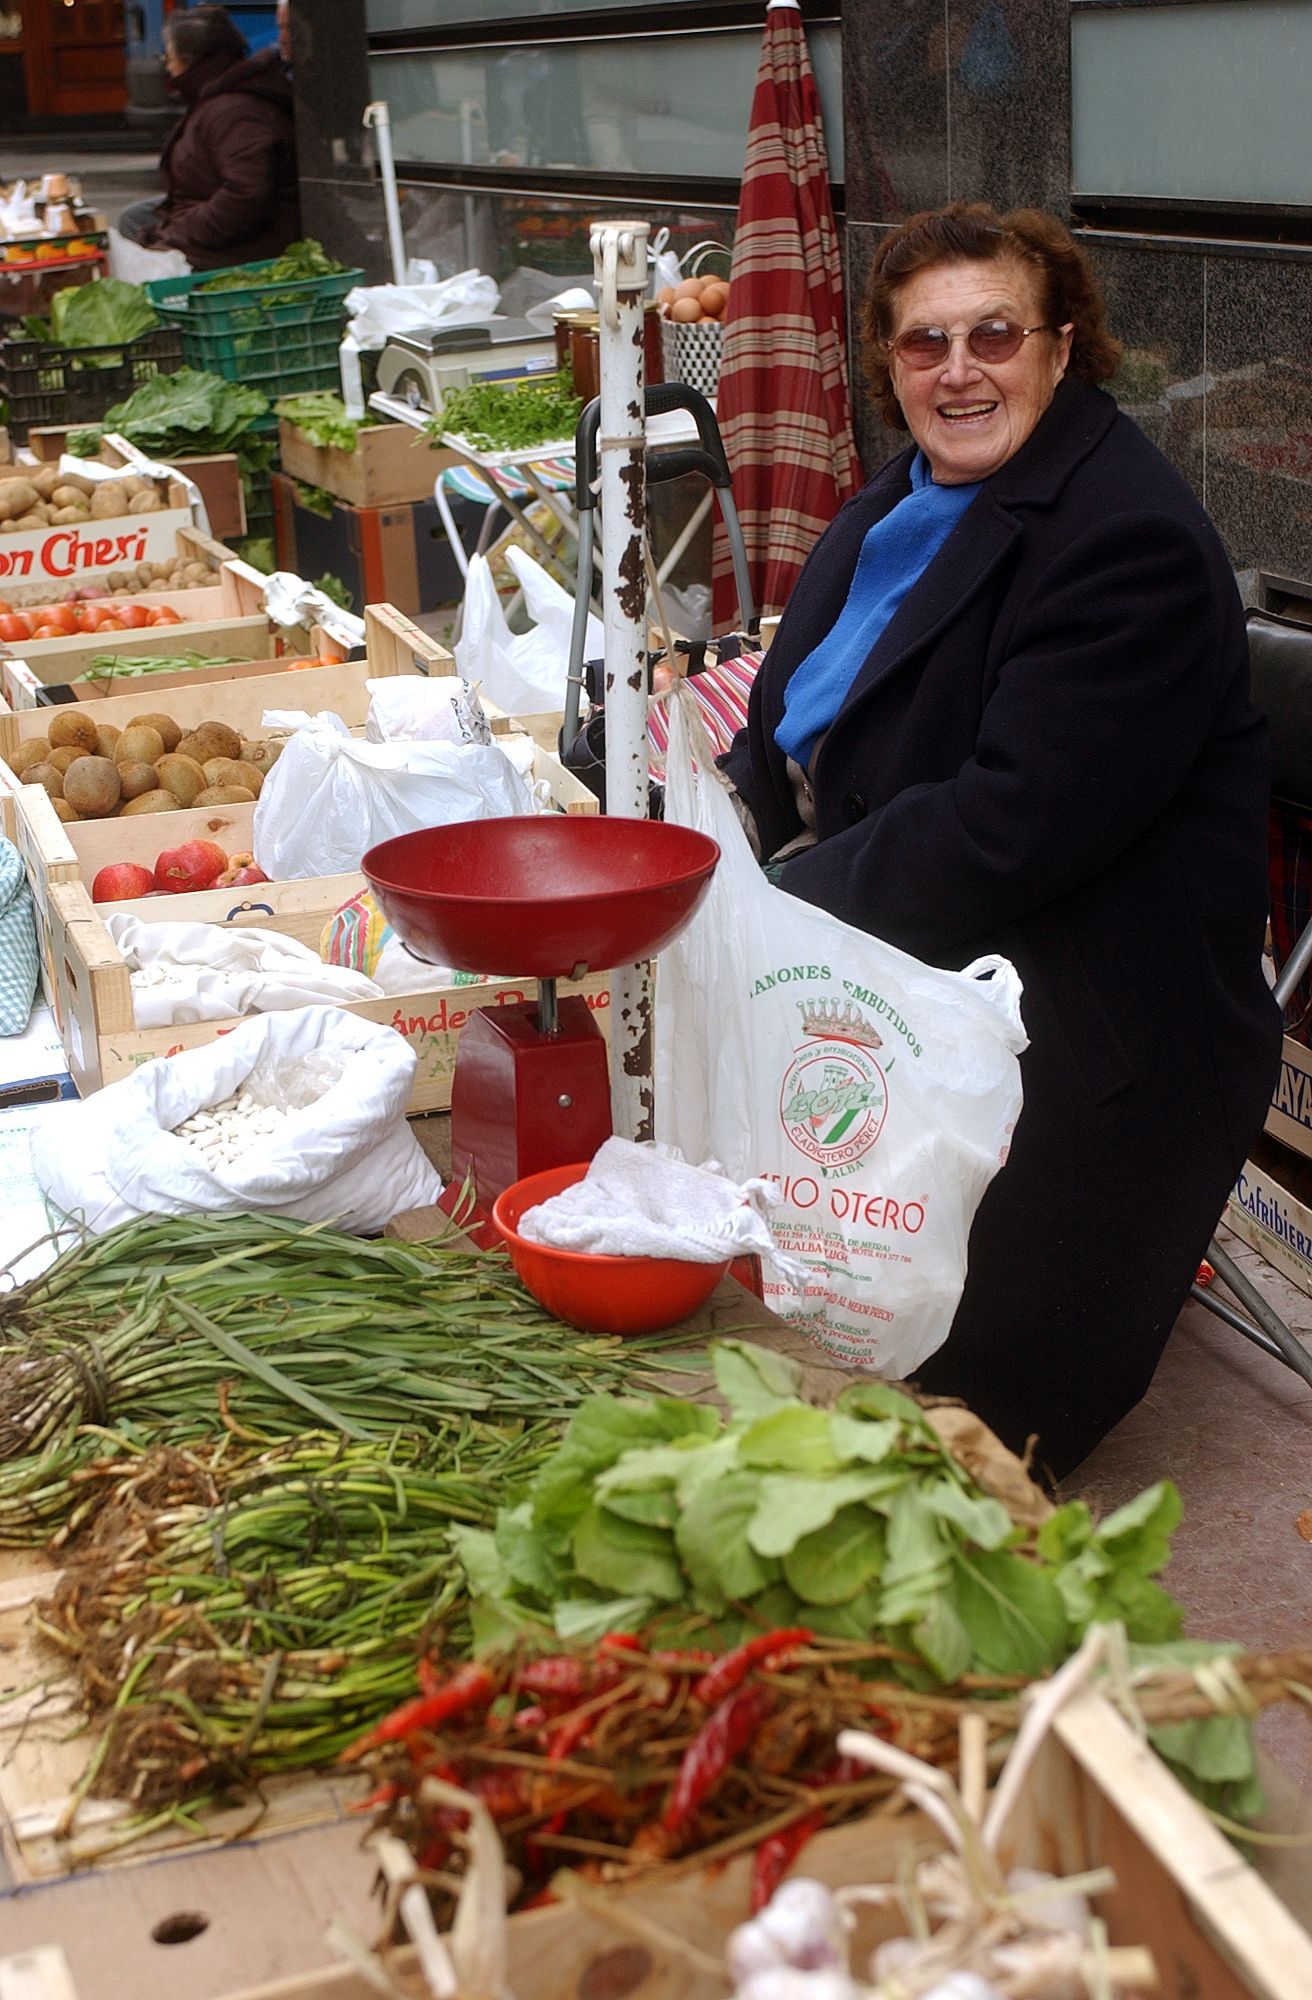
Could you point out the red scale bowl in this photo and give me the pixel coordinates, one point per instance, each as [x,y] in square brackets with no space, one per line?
[554,896]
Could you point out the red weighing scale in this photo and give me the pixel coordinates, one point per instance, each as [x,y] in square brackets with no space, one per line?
[552,897]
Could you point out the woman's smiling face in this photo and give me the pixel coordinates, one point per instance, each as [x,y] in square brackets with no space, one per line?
[970,416]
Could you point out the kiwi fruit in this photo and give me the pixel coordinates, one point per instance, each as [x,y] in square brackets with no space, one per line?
[234,771]
[107,736]
[70,728]
[158,801]
[215,740]
[92,787]
[47,776]
[259,753]
[32,750]
[67,753]
[170,734]
[134,779]
[139,744]
[225,795]
[182,776]
[63,810]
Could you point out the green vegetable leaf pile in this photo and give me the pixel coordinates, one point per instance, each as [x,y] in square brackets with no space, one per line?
[101,314]
[322,417]
[306,259]
[315,499]
[855,1522]
[333,587]
[187,415]
[494,417]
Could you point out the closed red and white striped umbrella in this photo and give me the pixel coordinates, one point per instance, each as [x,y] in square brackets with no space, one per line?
[783,402]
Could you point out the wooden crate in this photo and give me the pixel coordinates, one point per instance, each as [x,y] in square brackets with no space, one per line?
[92,989]
[1099,1797]
[226,618]
[217,475]
[391,464]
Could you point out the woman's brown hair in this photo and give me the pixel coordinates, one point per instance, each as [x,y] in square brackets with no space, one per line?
[972,232]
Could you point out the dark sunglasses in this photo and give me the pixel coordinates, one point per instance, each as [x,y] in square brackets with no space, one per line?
[987,340]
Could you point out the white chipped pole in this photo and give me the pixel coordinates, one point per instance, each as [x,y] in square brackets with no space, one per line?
[619,254]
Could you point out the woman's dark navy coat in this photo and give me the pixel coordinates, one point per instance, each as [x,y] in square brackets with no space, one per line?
[1051,753]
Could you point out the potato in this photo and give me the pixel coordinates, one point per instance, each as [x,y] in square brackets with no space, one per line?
[169,733]
[225,795]
[67,517]
[158,801]
[32,750]
[111,498]
[134,779]
[234,771]
[34,520]
[79,483]
[65,495]
[70,725]
[182,776]
[139,744]
[147,503]
[218,741]
[61,759]
[91,786]
[46,478]
[17,497]
[106,738]
[63,810]
[47,776]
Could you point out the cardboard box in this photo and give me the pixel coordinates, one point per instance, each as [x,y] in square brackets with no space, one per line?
[1271,1210]
[397,555]
[1290,1116]
[391,464]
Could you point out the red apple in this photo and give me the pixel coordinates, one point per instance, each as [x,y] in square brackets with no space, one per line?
[252,873]
[196,864]
[121,882]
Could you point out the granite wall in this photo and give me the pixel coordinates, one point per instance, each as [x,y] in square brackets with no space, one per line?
[970,99]
[341,202]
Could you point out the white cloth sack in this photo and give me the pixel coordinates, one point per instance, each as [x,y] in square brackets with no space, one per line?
[137,265]
[420,708]
[644,1201]
[524,673]
[330,797]
[209,972]
[879,1094]
[344,1155]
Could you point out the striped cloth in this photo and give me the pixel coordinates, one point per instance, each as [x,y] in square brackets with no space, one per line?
[722,693]
[782,402]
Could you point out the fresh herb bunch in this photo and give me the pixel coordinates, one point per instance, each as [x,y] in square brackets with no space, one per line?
[306,259]
[857,1523]
[494,417]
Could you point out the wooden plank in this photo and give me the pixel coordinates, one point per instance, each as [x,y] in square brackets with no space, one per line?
[37,1975]
[391,465]
[394,645]
[59,662]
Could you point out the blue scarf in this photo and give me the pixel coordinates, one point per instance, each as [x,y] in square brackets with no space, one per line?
[895,552]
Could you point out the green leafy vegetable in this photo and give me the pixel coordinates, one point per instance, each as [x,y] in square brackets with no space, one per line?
[495,417]
[187,415]
[315,499]
[306,259]
[321,417]
[332,586]
[100,315]
[856,1522]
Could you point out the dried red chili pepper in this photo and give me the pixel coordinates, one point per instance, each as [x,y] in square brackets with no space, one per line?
[531,1719]
[385,1795]
[430,1680]
[732,1669]
[776,1855]
[567,1738]
[470,1687]
[724,1735]
[619,1642]
[504,1793]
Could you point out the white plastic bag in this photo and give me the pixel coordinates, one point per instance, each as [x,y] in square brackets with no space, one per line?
[374,311]
[879,1093]
[418,708]
[330,798]
[523,673]
[137,265]
[344,1155]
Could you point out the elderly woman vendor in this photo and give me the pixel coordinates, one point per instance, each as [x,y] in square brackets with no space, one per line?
[1007,710]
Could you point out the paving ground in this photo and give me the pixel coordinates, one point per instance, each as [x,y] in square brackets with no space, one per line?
[110,181]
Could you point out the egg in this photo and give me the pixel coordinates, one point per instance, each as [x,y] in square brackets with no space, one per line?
[686,311]
[714,300]
[688,288]
[665,296]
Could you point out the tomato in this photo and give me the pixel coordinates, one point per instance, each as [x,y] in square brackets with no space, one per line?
[131,616]
[15,625]
[163,614]
[110,623]
[5,609]
[62,616]
[48,632]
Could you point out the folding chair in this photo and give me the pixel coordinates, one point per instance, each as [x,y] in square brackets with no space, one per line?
[1280,654]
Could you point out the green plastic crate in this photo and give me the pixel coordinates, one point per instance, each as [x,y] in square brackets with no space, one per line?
[281,337]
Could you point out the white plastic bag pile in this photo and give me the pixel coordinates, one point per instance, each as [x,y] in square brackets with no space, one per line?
[878,1094]
[341,1151]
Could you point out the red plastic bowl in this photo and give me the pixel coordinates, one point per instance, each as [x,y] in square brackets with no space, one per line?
[598,1294]
[551,896]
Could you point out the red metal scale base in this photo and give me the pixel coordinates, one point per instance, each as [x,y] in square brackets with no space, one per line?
[527,1094]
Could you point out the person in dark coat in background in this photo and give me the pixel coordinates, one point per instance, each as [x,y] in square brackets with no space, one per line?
[1007,710]
[230,164]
